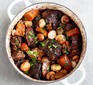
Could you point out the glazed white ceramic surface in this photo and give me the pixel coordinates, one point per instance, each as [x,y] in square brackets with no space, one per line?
[14,19]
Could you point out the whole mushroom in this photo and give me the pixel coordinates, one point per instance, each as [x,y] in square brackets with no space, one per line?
[45,65]
[50,75]
[55,67]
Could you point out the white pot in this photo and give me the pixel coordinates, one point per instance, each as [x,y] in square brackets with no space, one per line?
[45,5]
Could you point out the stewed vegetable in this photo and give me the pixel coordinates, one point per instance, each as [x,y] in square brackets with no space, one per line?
[46,44]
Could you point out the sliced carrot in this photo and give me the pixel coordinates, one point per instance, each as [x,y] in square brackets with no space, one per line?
[20,29]
[24,47]
[30,15]
[72,32]
[65,62]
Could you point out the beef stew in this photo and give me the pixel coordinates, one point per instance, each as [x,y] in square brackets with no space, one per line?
[46,42]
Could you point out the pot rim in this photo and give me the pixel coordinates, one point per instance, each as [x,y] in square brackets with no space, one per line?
[84,45]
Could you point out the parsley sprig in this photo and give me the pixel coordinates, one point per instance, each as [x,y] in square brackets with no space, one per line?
[66,51]
[32,53]
[42,44]
[52,45]
[32,35]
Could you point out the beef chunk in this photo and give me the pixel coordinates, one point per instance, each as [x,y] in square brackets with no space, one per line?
[19,62]
[75,42]
[30,37]
[52,17]
[68,27]
[18,54]
[35,70]
[52,48]
[75,45]
[16,41]
[35,21]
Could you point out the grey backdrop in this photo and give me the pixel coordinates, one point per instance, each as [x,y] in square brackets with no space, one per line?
[84,10]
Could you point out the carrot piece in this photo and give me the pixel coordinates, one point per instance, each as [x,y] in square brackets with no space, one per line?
[65,62]
[72,32]
[24,47]
[20,29]
[38,29]
[49,26]
[30,15]
[43,31]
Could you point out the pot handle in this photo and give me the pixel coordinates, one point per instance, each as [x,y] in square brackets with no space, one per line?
[11,16]
[81,68]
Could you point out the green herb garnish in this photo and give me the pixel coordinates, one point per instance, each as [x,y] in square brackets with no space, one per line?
[48,69]
[17,42]
[31,64]
[26,72]
[66,51]
[61,26]
[36,41]
[66,37]
[34,59]
[57,64]
[32,35]
[29,36]
[29,52]
[32,53]
[54,46]
[35,54]
[36,37]
[66,64]
[50,46]
[53,40]
[42,43]
[25,19]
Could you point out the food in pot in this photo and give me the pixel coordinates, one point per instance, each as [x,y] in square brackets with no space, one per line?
[46,44]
